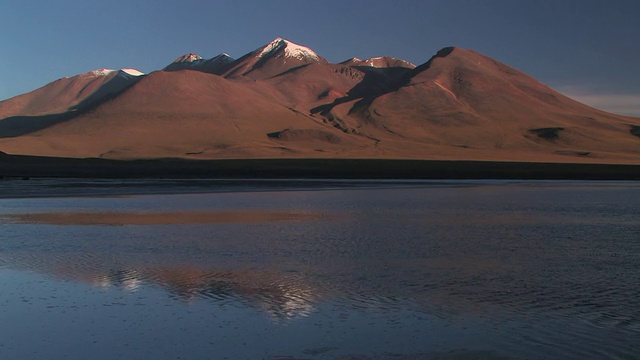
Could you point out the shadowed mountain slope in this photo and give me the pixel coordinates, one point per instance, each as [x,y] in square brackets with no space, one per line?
[216,65]
[69,93]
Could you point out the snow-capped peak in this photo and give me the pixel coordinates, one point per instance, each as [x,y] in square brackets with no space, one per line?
[291,50]
[107,72]
[224,57]
[353,60]
[387,61]
[275,45]
[189,58]
[101,72]
[132,72]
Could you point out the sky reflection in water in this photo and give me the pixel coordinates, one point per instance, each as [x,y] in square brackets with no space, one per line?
[501,271]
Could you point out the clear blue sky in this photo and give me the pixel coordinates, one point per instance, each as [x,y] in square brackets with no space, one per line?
[585,48]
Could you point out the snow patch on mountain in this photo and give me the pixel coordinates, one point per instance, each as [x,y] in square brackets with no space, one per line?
[374,61]
[384,61]
[107,72]
[101,72]
[291,50]
[272,47]
[223,58]
[300,52]
[132,72]
[188,58]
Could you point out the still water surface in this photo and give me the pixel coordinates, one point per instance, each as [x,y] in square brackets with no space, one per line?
[422,270]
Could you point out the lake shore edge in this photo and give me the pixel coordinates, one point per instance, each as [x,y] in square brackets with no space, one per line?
[21,166]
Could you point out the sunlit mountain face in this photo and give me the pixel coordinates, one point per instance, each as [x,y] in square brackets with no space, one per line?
[284,100]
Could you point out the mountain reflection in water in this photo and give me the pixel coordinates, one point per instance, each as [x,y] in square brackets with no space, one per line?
[280,297]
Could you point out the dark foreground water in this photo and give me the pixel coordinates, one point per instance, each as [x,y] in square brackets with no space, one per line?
[434,270]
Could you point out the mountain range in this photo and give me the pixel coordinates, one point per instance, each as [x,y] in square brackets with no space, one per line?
[283,100]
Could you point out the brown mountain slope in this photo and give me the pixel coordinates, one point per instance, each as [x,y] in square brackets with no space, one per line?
[65,94]
[284,101]
[315,84]
[187,114]
[61,100]
[462,104]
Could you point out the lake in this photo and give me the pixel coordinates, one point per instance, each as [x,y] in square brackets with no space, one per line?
[297,269]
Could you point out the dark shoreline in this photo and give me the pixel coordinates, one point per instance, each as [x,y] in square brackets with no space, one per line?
[18,166]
